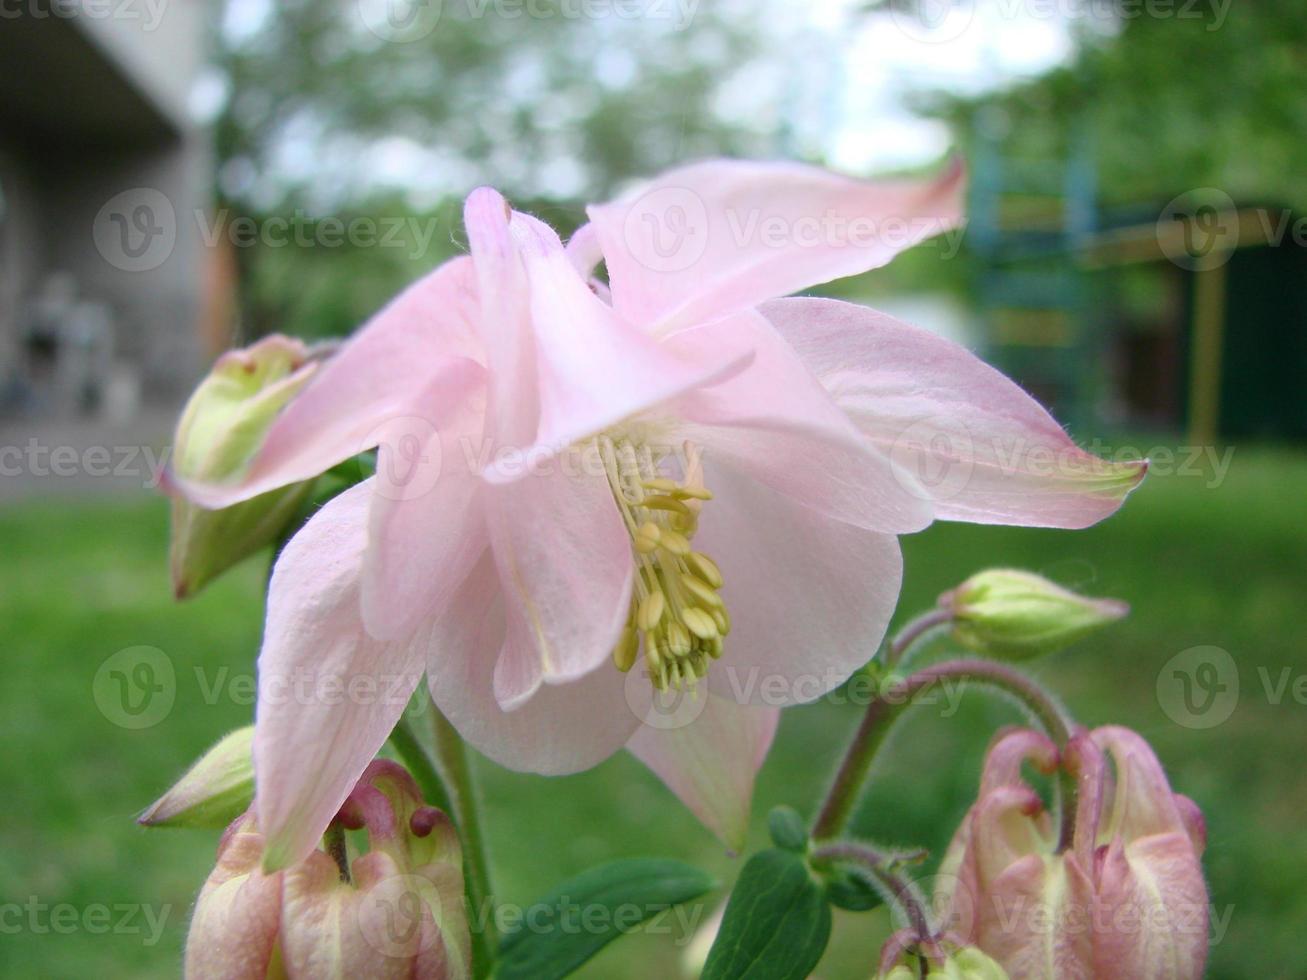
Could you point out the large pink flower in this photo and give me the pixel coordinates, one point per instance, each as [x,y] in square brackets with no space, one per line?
[568,477]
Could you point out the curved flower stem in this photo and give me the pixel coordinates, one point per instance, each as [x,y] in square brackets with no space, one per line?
[452,761]
[916,630]
[876,865]
[885,709]
[418,762]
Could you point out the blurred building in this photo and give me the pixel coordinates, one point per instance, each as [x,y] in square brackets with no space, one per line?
[104,178]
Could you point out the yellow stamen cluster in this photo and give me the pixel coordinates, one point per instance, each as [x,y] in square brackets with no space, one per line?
[677,616]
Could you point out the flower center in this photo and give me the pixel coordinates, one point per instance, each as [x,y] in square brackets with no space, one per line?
[677,616]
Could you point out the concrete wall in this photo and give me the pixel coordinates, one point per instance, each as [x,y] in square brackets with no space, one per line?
[103,175]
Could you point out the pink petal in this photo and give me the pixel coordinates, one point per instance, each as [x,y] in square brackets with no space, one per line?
[329,695]
[1142,804]
[421,337]
[724,235]
[504,319]
[809,597]
[775,422]
[425,522]
[707,749]
[565,567]
[233,930]
[593,369]
[561,729]
[983,449]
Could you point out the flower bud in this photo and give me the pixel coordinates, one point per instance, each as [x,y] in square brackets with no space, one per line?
[214,791]
[220,430]
[1014,615]
[396,911]
[1125,898]
[941,958]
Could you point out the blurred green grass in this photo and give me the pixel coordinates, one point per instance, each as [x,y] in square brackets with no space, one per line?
[1202,565]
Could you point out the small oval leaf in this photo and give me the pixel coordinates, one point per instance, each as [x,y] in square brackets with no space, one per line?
[584,914]
[776,924]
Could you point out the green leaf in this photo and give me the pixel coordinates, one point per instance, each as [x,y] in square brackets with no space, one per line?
[776,925]
[581,916]
[851,892]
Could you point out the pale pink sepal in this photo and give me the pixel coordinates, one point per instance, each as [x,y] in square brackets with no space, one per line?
[725,235]
[982,449]
[329,694]
[707,749]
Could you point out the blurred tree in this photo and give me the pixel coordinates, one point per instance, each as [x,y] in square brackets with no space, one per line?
[1177,96]
[392,109]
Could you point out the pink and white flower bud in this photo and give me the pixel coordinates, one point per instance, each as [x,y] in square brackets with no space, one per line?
[1125,898]
[400,912]
[223,425]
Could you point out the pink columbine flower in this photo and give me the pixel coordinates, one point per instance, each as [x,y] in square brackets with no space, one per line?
[1125,898]
[574,479]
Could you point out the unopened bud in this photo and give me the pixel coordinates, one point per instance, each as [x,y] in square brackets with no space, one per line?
[220,430]
[395,911]
[1014,615]
[1125,897]
[214,791]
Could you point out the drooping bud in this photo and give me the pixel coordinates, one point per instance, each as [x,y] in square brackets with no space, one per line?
[214,791]
[396,911]
[1013,615]
[1126,897]
[233,934]
[221,428]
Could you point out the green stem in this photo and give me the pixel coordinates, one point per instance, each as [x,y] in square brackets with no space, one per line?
[885,709]
[452,761]
[877,865]
[917,630]
[418,762]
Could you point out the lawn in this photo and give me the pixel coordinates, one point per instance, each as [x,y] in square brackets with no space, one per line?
[87,893]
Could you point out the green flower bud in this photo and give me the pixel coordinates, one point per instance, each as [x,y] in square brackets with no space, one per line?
[220,430]
[1014,615]
[214,791]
